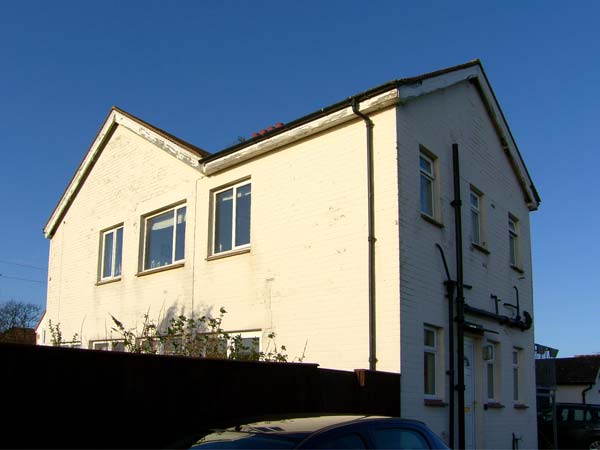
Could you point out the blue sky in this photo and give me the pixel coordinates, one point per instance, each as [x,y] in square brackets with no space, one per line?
[209,72]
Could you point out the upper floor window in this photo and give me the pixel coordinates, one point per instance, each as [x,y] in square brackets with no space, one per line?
[513,240]
[164,238]
[427,172]
[476,224]
[111,253]
[231,218]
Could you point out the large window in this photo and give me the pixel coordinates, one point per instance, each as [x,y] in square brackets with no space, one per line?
[111,253]
[513,240]
[231,218]
[164,241]
[427,172]
[430,358]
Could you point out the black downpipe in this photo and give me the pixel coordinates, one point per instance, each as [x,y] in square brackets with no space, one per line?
[371,237]
[450,286]
[460,300]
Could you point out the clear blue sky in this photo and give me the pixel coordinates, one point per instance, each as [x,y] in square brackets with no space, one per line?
[209,72]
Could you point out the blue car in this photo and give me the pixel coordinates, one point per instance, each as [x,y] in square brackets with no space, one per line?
[324,432]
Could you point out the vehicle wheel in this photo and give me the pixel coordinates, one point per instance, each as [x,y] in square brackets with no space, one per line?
[594,444]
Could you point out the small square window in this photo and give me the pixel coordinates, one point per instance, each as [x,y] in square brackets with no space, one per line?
[164,238]
[231,218]
[111,253]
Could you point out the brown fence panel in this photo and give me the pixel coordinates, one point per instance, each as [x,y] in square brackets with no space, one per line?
[69,398]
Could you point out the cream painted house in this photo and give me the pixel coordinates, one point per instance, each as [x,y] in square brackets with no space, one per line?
[284,231]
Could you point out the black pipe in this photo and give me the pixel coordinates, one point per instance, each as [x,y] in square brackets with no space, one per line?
[518,306]
[450,285]
[460,300]
[371,237]
[523,325]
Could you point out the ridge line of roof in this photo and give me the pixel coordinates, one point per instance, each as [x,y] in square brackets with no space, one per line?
[339,105]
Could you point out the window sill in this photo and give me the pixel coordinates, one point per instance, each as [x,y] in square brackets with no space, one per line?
[493,405]
[520,406]
[435,402]
[108,281]
[228,254]
[159,269]
[517,269]
[480,248]
[432,221]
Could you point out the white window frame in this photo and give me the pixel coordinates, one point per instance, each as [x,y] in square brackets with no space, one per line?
[174,210]
[110,343]
[434,350]
[517,374]
[430,176]
[103,235]
[213,241]
[513,240]
[477,210]
[492,364]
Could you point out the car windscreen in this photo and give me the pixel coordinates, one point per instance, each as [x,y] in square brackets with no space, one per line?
[236,440]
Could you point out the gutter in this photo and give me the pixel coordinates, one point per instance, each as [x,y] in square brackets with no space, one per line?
[371,236]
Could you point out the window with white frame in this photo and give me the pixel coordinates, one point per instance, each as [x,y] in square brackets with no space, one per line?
[164,238]
[490,358]
[430,361]
[111,253]
[231,218]
[475,201]
[513,240]
[427,172]
[516,367]
[114,345]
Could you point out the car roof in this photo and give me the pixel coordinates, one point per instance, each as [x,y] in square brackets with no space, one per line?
[309,423]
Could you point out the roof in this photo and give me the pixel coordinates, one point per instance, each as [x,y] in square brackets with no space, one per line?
[391,93]
[578,370]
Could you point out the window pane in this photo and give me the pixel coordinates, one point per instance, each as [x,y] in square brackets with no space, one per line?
[118,252]
[223,220]
[429,338]
[242,215]
[513,249]
[516,383]
[425,166]
[108,251]
[426,195]
[429,371]
[180,244]
[100,345]
[474,200]
[159,241]
[475,226]
[399,438]
[490,381]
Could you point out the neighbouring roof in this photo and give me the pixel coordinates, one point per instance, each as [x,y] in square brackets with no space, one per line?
[395,91]
[578,370]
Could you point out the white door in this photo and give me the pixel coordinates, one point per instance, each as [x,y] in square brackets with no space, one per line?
[469,411]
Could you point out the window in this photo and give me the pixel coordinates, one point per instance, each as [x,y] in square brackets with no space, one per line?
[430,361]
[516,359]
[513,240]
[427,171]
[164,242]
[111,253]
[490,358]
[110,345]
[231,218]
[475,200]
